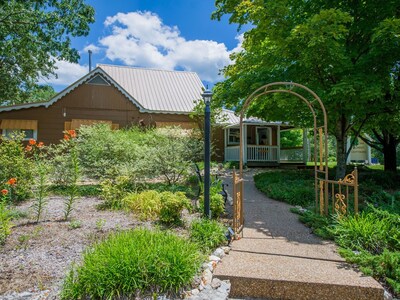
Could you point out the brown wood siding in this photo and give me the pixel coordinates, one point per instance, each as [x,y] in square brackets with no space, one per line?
[217,138]
[91,102]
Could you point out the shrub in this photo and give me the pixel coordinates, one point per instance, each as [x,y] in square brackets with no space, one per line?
[217,204]
[293,187]
[373,231]
[207,234]
[5,221]
[132,262]
[172,205]
[385,265]
[15,164]
[146,204]
[150,205]
[113,192]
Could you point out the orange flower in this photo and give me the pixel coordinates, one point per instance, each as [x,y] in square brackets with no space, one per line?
[32,142]
[66,137]
[40,145]
[12,181]
[4,192]
[72,133]
[28,148]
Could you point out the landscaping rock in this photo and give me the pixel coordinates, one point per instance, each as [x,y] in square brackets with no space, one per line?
[219,253]
[214,258]
[226,249]
[216,283]
[387,296]
[207,276]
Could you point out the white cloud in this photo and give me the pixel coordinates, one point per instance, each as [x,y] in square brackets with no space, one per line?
[67,73]
[141,39]
[92,48]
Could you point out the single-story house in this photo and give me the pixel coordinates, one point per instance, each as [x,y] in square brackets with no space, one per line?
[125,96]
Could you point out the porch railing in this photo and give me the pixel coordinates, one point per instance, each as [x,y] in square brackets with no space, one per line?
[262,153]
[232,153]
[254,153]
[294,154]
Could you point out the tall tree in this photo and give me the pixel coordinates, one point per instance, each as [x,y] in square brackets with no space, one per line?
[34,34]
[343,50]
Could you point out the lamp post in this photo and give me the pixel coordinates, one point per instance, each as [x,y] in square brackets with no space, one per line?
[207,95]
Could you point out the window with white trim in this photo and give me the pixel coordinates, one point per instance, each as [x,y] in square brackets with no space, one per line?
[26,128]
[233,136]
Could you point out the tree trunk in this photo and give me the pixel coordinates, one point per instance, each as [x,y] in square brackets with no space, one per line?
[341,147]
[389,153]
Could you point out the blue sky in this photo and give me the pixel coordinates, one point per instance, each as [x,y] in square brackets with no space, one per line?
[162,34]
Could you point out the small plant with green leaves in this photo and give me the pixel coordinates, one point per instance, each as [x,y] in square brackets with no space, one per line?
[5,218]
[207,234]
[112,192]
[40,177]
[72,182]
[217,205]
[153,262]
[74,224]
[172,205]
[146,204]
[100,223]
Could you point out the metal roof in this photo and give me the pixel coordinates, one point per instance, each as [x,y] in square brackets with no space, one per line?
[151,90]
[158,90]
[230,118]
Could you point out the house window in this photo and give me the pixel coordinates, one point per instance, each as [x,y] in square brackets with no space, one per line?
[264,136]
[233,136]
[12,128]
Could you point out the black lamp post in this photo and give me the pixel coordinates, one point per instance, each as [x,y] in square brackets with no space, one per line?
[207,95]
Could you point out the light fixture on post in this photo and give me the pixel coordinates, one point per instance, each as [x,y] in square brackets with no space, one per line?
[207,95]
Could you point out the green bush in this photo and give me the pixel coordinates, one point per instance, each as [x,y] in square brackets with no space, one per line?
[384,266]
[15,164]
[165,206]
[113,192]
[172,205]
[320,225]
[133,262]
[217,205]
[146,204]
[89,190]
[5,221]
[293,187]
[373,230]
[207,234]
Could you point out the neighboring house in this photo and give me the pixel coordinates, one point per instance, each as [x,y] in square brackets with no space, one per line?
[125,96]
[261,145]
[360,153]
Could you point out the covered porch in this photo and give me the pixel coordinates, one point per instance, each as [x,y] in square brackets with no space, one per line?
[262,144]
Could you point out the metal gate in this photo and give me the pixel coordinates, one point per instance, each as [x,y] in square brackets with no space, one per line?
[238,219]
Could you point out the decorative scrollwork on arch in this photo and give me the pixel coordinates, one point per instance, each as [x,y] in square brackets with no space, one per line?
[340,204]
[349,178]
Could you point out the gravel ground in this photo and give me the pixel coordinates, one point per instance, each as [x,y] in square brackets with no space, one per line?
[37,256]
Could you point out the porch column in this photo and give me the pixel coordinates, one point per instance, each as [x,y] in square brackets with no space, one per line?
[244,139]
[305,146]
[278,142]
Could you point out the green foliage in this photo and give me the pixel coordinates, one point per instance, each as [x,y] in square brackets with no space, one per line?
[338,42]
[146,204]
[89,190]
[74,224]
[33,36]
[5,220]
[15,164]
[373,230]
[74,172]
[172,205]
[293,187]
[217,205]
[291,138]
[130,263]
[113,192]
[207,234]
[385,265]
[150,205]
[137,154]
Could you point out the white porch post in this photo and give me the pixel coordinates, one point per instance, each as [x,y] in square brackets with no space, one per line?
[225,142]
[278,142]
[305,146]
[244,137]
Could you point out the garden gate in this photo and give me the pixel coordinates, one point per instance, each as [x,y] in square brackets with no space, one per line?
[339,190]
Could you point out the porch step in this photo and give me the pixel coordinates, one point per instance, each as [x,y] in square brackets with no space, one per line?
[274,276]
[278,258]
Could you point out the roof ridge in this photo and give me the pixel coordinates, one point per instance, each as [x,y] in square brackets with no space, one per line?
[147,69]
